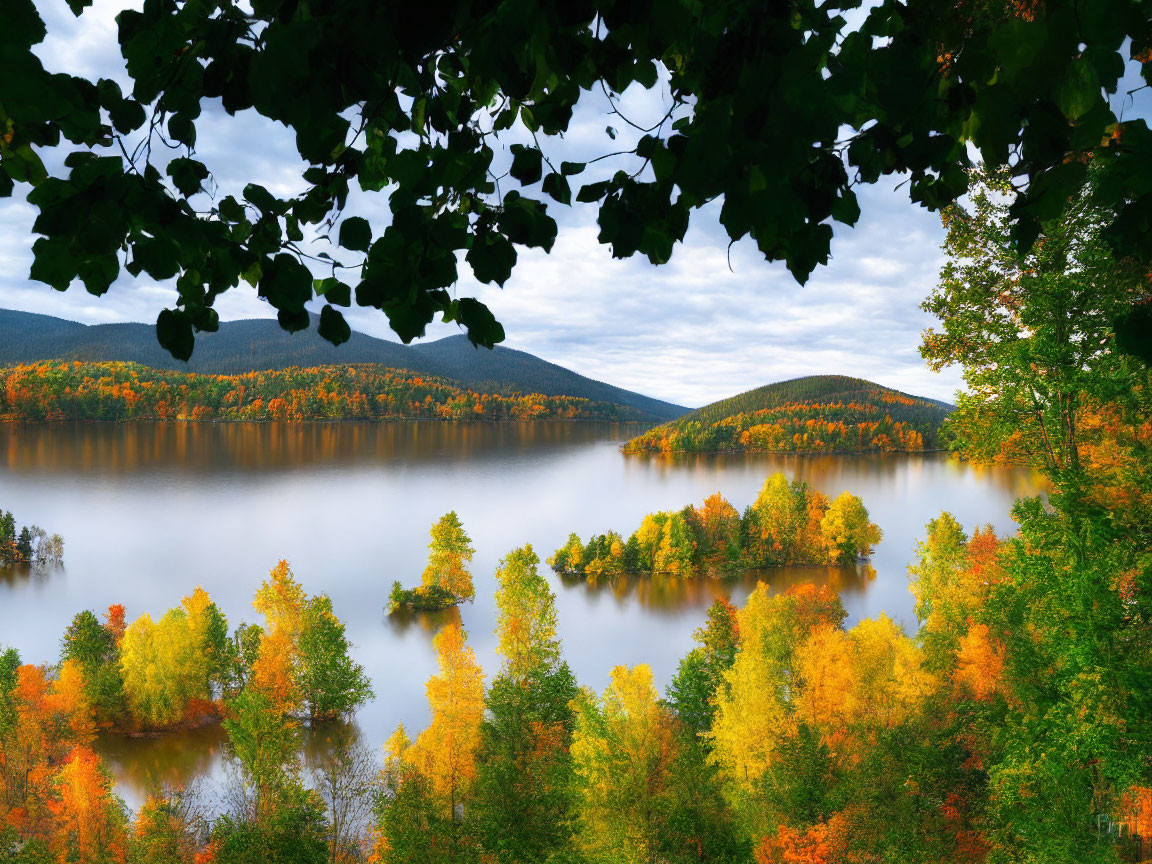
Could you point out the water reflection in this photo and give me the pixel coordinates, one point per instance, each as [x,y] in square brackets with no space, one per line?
[669,595]
[148,512]
[429,623]
[143,766]
[126,448]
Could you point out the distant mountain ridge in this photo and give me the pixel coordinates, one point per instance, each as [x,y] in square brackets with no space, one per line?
[816,413]
[259,345]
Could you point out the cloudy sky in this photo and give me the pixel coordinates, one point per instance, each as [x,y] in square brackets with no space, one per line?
[708,324]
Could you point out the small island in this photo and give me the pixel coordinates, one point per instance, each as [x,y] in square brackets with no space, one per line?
[29,546]
[788,523]
[446,581]
[815,414]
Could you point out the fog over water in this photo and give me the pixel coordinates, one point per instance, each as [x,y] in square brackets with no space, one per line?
[150,511]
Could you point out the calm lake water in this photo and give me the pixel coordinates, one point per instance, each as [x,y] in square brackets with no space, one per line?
[148,512]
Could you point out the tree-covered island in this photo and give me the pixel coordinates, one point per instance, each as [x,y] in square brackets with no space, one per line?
[446,581]
[788,523]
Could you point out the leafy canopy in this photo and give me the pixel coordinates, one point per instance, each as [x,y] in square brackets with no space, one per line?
[776,109]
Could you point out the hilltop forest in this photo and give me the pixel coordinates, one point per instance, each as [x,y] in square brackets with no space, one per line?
[127,391]
[816,414]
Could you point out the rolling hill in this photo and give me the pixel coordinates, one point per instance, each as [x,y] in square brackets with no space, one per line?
[260,345]
[817,413]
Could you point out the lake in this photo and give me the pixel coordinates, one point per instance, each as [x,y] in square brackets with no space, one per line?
[150,511]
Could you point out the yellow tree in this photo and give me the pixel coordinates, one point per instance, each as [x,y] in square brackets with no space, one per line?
[162,668]
[852,685]
[281,600]
[526,621]
[450,551]
[754,714]
[846,530]
[70,697]
[445,752]
[623,749]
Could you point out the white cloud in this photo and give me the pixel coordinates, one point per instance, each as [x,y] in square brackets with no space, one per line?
[712,322]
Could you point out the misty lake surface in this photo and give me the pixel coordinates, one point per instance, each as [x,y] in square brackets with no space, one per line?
[150,511]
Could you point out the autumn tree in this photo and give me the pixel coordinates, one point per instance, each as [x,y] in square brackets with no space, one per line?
[754,716]
[95,648]
[165,831]
[847,531]
[1033,328]
[443,757]
[449,553]
[522,798]
[88,820]
[635,796]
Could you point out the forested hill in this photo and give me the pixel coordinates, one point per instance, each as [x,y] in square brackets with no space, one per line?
[817,413]
[260,345]
[76,390]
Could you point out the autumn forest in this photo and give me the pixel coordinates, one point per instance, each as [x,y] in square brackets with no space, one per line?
[821,621]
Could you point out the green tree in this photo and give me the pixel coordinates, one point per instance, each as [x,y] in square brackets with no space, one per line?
[1032,330]
[331,683]
[700,675]
[522,800]
[292,832]
[266,745]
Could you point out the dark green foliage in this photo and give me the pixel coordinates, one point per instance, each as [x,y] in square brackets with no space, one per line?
[292,831]
[778,111]
[330,682]
[523,797]
[700,675]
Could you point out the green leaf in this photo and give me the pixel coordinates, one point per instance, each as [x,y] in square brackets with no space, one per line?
[527,164]
[593,191]
[174,333]
[99,272]
[1080,90]
[846,209]
[568,169]
[492,258]
[187,175]
[182,130]
[53,263]
[557,186]
[483,328]
[333,327]
[334,291]
[356,234]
